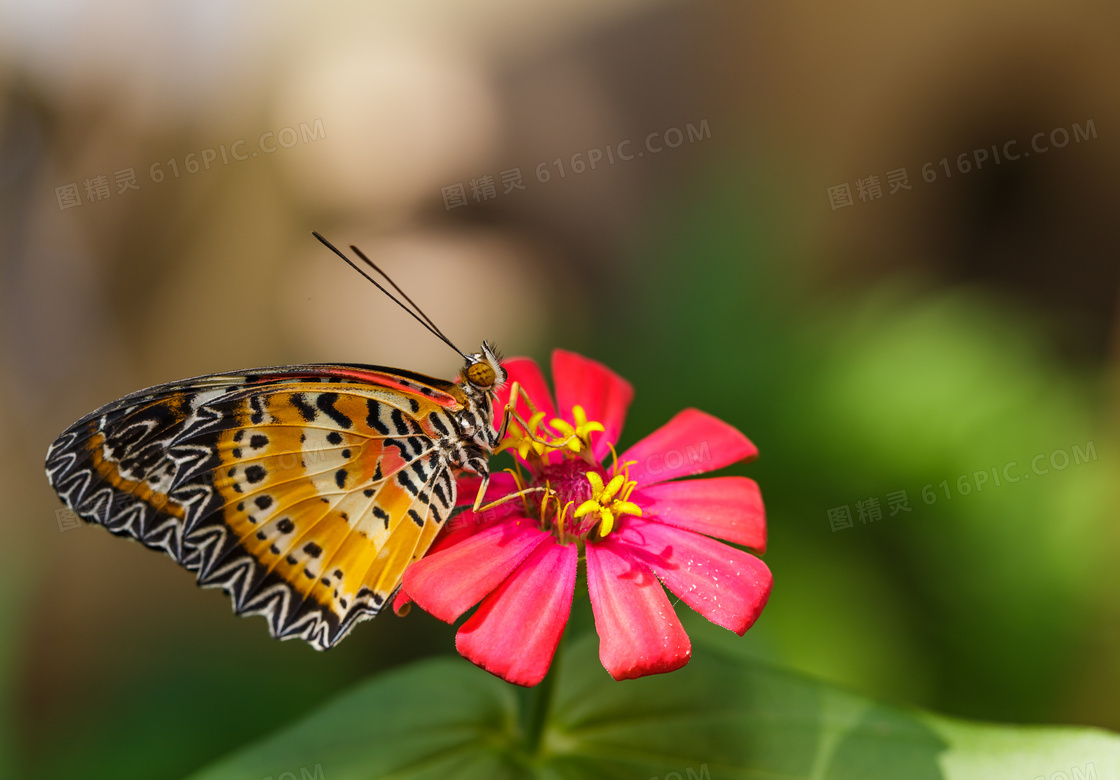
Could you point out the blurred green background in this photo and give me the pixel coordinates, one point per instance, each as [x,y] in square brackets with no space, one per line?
[914,337]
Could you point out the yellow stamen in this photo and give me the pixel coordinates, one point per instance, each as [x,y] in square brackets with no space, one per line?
[590,505]
[612,488]
[558,436]
[609,501]
[596,483]
[577,438]
[607,523]
[524,444]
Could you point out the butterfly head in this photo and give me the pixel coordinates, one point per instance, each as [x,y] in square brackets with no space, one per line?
[483,370]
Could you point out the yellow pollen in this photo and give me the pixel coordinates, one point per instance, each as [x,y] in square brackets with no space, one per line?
[611,500]
[558,436]
[524,444]
[578,437]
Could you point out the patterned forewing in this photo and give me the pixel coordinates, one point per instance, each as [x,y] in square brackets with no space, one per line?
[303,498]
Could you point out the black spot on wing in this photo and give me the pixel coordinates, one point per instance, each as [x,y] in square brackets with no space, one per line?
[381,515]
[373,419]
[334,437]
[306,411]
[436,421]
[256,403]
[418,444]
[413,405]
[420,471]
[416,518]
[402,427]
[437,488]
[326,402]
[448,484]
[407,483]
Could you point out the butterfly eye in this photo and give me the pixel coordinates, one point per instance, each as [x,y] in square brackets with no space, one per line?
[481,374]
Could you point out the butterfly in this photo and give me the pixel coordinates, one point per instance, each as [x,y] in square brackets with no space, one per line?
[302,491]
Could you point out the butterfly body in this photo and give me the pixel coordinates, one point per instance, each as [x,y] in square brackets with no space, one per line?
[302,491]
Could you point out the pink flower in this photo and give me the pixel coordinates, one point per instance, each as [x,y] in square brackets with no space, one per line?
[636,530]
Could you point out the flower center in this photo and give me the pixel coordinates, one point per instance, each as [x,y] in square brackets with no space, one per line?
[580,499]
[578,496]
[608,501]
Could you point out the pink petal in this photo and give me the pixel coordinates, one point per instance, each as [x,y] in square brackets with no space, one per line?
[691,443]
[401,602]
[449,582]
[724,507]
[639,633]
[727,586]
[514,633]
[603,394]
[526,373]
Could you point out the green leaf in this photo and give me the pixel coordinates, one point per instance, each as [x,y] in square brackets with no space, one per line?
[722,716]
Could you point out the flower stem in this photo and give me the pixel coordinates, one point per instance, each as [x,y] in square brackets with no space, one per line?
[535,706]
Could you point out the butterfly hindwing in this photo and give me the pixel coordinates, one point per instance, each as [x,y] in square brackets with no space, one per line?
[303,492]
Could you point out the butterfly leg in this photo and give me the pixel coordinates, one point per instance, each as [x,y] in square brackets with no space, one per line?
[480,507]
[515,390]
[510,413]
[481,491]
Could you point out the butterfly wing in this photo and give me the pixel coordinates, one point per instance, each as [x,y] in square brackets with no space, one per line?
[303,492]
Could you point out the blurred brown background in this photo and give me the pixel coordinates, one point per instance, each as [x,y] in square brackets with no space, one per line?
[904,339]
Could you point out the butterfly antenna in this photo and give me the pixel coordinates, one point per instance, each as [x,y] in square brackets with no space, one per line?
[430,327]
[396,287]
